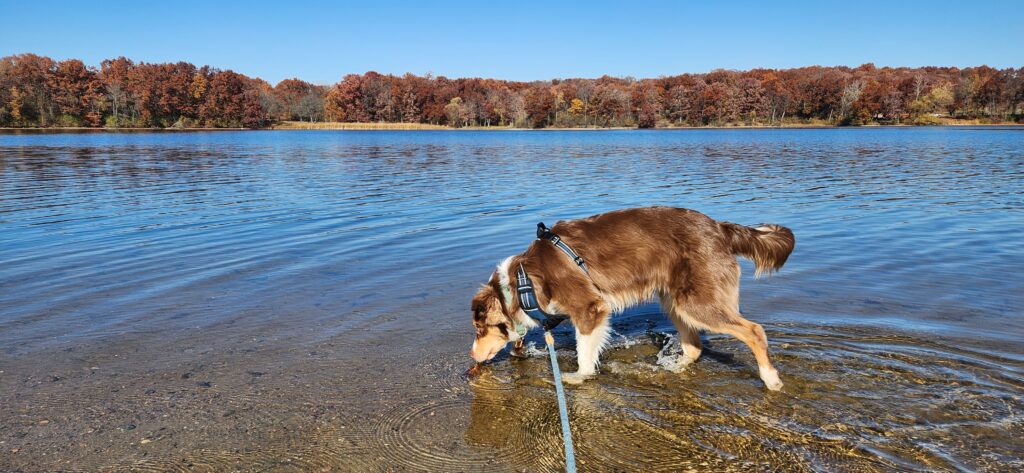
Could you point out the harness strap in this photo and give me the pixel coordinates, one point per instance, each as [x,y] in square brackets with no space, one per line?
[545,233]
[528,302]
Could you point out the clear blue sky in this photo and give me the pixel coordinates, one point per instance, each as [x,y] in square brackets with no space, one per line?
[524,40]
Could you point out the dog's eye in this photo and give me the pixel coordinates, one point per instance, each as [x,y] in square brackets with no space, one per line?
[502,327]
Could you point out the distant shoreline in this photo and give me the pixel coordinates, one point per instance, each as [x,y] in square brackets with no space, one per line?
[415,126]
[113,130]
[342,126]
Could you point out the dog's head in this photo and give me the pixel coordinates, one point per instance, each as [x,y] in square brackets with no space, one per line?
[495,327]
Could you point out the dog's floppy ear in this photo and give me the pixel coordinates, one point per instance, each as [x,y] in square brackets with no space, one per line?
[487,306]
[479,304]
[495,288]
[482,303]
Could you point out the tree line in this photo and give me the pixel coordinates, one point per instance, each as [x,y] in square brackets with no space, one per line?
[36,91]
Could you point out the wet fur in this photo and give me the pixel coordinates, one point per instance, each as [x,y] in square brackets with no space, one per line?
[682,257]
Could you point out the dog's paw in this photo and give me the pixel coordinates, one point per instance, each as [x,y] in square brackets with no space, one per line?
[771,379]
[575,378]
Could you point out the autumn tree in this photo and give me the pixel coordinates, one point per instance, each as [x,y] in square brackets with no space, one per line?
[29,100]
[253,114]
[114,76]
[751,100]
[76,92]
[611,105]
[851,94]
[646,105]
[539,105]
[344,103]
[225,102]
[456,112]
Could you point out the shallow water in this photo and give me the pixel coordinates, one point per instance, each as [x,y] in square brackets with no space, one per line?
[299,300]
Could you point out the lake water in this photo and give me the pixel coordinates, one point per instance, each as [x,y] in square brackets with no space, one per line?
[300,300]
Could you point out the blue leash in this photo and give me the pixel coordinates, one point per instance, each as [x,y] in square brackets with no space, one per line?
[563,410]
[529,304]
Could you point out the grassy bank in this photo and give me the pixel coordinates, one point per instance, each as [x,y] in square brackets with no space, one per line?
[296,125]
[293,125]
[355,126]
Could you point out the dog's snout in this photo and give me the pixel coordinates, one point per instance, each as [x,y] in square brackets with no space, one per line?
[476,358]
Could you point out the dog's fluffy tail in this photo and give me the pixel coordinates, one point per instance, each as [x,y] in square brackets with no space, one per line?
[768,246]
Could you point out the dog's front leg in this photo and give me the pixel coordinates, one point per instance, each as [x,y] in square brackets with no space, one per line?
[588,349]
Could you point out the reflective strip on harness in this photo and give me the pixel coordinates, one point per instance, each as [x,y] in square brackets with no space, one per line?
[544,233]
[528,302]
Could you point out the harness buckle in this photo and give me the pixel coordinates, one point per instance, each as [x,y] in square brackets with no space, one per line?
[542,230]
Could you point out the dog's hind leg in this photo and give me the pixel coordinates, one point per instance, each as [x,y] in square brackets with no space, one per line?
[727,320]
[711,301]
[689,339]
[689,336]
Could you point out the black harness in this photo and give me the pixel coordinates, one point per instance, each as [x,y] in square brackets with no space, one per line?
[544,233]
[524,287]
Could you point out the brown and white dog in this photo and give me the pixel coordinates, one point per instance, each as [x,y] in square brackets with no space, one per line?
[683,257]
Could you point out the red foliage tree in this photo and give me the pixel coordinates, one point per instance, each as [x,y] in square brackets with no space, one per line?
[540,105]
[77,92]
[647,105]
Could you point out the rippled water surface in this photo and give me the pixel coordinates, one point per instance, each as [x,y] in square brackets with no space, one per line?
[299,300]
